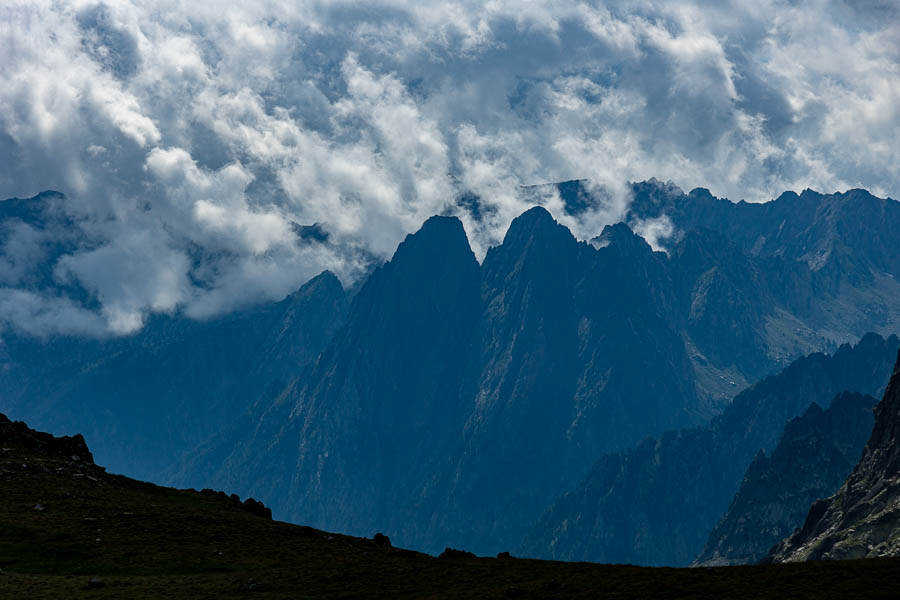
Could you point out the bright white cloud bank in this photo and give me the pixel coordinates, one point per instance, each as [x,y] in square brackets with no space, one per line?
[193,138]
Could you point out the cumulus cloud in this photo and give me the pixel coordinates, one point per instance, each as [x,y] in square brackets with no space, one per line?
[193,140]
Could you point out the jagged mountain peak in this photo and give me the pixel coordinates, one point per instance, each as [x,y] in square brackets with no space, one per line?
[325,281]
[440,239]
[621,236]
[701,192]
[788,196]
[31,210]
[534,243]
[534,222]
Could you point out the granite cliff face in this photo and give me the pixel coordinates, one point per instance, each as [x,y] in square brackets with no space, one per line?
[862,519]
[813,458]
[617,513]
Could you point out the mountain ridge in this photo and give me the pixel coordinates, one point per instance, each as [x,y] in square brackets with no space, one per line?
[862,519]
[816,452]
[615,515]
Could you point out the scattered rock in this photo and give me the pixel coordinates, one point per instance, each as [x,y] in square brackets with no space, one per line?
[250,505]
[307,531]
[257,508]
[39,507]
[95,583]
[252,585]
[552,586]
[382,540]
[453,553]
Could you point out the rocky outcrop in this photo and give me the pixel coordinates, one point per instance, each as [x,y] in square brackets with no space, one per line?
[862,519]
[813,458]
[17,433]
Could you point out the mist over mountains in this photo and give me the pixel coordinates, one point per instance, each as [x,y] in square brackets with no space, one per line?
[448,401]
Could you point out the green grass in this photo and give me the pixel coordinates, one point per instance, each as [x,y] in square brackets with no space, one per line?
[158,542]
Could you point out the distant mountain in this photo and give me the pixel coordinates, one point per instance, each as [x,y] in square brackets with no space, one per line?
[813,458]
[862,520]
[34,234]
[414,417]
[148,398]
[655,504]
[845,234]
[450,402]
[562,351]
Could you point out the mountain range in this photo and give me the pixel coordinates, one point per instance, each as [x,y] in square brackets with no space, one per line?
[450,402]
[813,458]
[616,514]
[862,519]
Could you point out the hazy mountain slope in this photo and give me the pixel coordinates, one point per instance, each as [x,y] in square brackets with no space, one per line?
[655,504]
[350,443]
[148,398]
[862,519]
[558,376]
[813,458]
[830,259]
[413,419]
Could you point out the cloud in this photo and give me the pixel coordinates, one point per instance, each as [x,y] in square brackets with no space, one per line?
[191,140]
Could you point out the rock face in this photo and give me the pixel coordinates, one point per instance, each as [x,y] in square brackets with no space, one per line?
[655,504]
[44,444]
[813,458]
[863,518]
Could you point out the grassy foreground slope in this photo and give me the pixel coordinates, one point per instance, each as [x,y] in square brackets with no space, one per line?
[68,529]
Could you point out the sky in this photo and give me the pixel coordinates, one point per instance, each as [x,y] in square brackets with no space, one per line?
[194,140]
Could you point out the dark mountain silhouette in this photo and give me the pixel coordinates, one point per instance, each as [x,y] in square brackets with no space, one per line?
[862,520]
[655,504]
[813,458]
